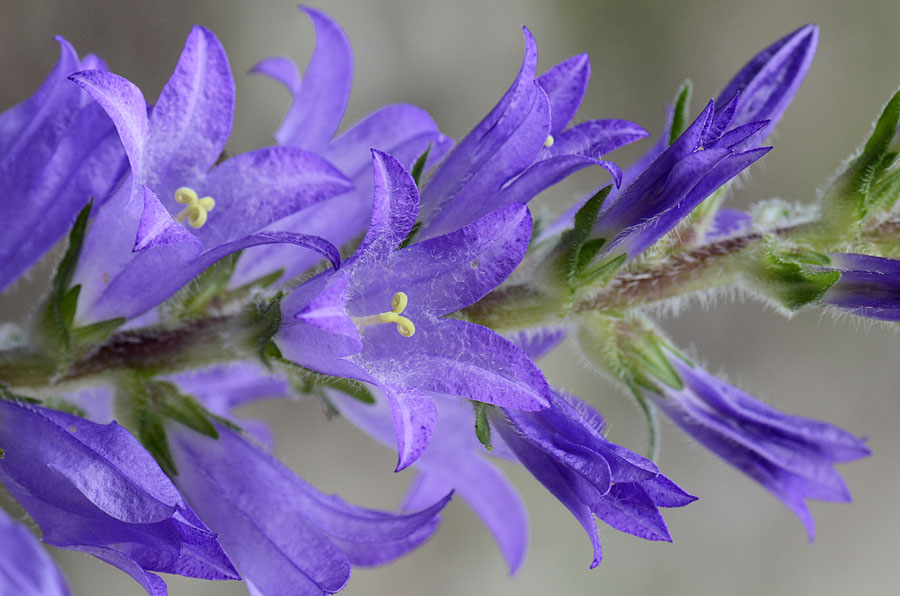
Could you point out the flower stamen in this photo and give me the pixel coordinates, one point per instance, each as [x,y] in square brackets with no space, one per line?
[405,327]
[196,209]
[549,142]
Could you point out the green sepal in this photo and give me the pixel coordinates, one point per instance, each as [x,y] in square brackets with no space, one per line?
[793,278]
[267,321]
[482,426]
[195,298]
[653,365]
[419,167]
[682,111]
[876,155]
[354,389]
[652,420]
[603,272]
[88,335]
[152,435]
[306,381]
[177,406]
[577,247]
[58,309]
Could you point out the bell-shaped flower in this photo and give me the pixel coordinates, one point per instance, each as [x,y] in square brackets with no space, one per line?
[93,488]
[25,566]
[708,154]
[869,286]
[762,90]
[382,318]
[792,457]
[456,461]
[181,212]
[57,151]
[286,537]
[564,448]
[522,147]
[319,100]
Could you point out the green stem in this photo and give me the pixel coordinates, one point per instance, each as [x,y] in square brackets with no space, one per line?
[150,351]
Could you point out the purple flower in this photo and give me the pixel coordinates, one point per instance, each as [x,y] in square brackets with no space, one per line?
[522,146]
[868,286]
[768,83]
[25,567]
[57,151]
[139,235]
[93,488]
[564,448]
[318,104]
[334,323]
[285,536]
[707,155]
[757,95]
[456,461]
[792,457]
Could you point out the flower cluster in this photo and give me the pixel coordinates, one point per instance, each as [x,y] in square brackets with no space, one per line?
[399,278]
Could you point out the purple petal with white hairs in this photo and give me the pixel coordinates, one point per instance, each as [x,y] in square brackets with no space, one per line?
[125,105]
[477,150]
[191,121]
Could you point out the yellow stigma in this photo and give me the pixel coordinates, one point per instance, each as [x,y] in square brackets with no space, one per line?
[405,327]
[195,209]
[549,142]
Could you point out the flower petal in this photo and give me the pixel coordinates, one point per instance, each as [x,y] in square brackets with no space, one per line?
[125,105]
[320,99]
[254,189]
[564,85]
[191,121]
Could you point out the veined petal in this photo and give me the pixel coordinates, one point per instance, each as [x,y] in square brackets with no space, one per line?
[869,286]
[547,172]
[768,82]
[158,228]
[191,121]
[103,462]
[394,210]
[415,416]
[556,478]
[596,137]
[629,509]
[456,358]
[444,274]
[320,99]
[564,85]
[254,189]
[476,193]
[453,461]
[125,105]
[488,136]
[255,505]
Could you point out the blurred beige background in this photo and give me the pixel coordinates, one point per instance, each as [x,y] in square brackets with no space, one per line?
[456,60]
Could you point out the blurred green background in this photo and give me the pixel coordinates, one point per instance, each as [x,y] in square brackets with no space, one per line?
[455,60]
